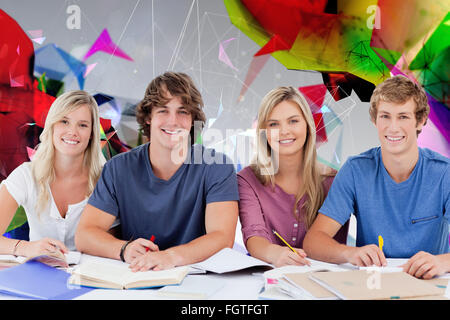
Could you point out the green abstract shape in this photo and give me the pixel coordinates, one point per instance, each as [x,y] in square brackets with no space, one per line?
[18,220]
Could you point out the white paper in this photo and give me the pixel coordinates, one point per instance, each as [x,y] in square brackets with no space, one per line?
[228,260]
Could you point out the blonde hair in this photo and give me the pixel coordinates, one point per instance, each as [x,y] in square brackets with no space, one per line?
[42,165]
[263,164]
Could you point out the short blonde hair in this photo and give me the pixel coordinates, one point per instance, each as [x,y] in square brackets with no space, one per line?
[399,89]
[42,165]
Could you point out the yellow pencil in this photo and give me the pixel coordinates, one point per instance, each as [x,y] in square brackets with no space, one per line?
[281,238]
[380,242]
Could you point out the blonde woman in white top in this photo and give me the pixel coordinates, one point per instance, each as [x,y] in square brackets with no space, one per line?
[54,187]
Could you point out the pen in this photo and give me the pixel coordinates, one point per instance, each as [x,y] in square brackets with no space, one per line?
[380,242]
[281,238]
[152,238]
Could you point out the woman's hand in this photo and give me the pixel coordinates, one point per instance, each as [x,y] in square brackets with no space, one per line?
[282,256]
[40,247]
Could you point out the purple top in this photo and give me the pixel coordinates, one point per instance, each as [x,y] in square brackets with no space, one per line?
[263,209]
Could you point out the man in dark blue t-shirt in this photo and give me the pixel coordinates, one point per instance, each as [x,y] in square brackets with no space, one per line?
[177,202]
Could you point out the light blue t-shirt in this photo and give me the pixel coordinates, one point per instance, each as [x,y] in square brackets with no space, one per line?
[411,216]
[172,210]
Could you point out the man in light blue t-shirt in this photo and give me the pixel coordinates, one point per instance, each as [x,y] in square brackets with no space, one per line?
[397,191]
[177,202]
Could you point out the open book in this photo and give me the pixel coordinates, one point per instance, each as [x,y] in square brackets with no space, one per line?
[53,259]
[115,276]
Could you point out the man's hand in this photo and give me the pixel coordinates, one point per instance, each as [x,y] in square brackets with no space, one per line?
[366,256]
[137,248]
[154,260]
[425,265]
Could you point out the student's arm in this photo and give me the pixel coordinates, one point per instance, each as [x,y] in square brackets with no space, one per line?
[320,245]
[93,236]
[423,264]
[8,207]
[220,223]
[263,249]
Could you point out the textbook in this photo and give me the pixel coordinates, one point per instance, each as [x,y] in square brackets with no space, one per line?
[120,276]
[364,285]
[53,259]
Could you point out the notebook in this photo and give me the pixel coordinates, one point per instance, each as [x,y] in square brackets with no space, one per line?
[364,285]
[304,287]
[37,280]
[120,276]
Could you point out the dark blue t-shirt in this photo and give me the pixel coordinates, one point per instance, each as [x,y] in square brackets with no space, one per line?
[411,216]
[173,210]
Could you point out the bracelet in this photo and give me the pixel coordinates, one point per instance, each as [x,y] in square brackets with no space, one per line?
[15,247]
[122,250]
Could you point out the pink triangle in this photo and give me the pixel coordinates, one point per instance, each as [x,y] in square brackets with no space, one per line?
[16,82]
[31,153]
[89,69]
[39,40]
[35,33]
[105,44]
[223,55]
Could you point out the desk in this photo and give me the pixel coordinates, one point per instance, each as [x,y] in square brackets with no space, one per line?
[239,285]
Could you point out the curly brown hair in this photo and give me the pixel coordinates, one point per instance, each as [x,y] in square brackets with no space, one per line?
[399,89]
[177,84]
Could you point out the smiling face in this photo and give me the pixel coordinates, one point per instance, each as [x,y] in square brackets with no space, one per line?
[286,129]
[71,134]
[397,127]
[170,124]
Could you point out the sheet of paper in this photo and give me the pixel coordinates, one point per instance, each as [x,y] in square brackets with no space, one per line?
[73,257]
[228,260]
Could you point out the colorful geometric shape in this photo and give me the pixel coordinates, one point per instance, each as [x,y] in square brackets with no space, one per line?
[105,44]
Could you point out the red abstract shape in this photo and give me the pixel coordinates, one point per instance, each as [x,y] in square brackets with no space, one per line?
[16,54]
[276,43]
[23,108]
[321,132]
[283,19]
[315,95]
[340,86]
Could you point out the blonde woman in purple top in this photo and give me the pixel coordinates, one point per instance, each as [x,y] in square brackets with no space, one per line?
[284,186]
